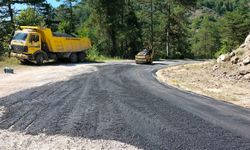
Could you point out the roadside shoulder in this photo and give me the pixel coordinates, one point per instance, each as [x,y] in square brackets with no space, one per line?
[200,78]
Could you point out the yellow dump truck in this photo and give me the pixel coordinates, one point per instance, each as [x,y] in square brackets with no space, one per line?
[38,44]
[144,57]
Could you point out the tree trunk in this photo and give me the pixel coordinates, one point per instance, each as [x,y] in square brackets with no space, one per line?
[71,17]
[152,25]
[113,42]
[168,29]
[122,22]
[11,14]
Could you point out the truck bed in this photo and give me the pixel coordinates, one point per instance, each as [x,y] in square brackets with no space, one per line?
[61,42]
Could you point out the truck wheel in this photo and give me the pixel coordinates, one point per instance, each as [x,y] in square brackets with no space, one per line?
[73,58]
[54,57]
[81,57]
[24,62]
[39,59]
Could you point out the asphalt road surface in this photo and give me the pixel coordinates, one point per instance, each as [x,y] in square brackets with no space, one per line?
[124,102]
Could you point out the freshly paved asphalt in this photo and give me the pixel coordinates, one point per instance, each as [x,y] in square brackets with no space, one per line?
[124,102]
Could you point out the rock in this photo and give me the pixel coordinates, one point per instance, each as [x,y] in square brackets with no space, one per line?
[246,60]
[244,72]
[235,60]
[238,77]
[232,54]
[215,67]
[247,40]
[243,46]
[223,58]
[247,77]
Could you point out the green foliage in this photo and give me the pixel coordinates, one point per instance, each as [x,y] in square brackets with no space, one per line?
[7,20]
[116,31]
[6,61]
[226,28]
[66,16]
[94,55]
[205,40]
[234,28]
[121,28]
[48,12]
[170,27]
[30,17]
[64,27]
[5,28]
[179,33]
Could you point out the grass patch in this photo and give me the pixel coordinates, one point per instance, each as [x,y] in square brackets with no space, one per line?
[174,82]
[94,55]
[101,58]
[8,62]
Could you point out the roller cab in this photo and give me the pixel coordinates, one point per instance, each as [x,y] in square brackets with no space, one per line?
[144,57]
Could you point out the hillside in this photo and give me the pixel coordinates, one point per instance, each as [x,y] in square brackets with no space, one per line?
[236,64]
[226,79]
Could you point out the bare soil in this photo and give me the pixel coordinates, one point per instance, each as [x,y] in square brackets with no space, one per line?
[218,81]
[21,141]
[30,76]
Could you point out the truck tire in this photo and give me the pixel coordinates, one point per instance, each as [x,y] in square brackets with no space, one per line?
[24,62]
[39,59]
[81,56]
[73,58]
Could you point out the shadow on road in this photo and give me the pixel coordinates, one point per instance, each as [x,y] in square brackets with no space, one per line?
[66,63]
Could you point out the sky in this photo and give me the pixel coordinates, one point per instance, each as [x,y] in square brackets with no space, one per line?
[54,4]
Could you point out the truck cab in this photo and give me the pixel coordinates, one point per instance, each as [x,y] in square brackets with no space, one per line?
[25,44]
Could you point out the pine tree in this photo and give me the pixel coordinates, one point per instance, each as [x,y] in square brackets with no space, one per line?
[205,39]
[234,28]
[30,17]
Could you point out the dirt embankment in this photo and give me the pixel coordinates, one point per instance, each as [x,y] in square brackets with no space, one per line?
[200,78]
[226,79]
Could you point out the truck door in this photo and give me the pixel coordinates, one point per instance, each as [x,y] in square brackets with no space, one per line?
[34,42]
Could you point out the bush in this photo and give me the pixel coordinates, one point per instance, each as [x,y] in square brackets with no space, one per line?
[94,55]
[8,62]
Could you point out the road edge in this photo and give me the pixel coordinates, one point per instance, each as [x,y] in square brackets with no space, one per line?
[189,91]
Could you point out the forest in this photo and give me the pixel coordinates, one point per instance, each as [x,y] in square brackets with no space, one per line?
[121,28]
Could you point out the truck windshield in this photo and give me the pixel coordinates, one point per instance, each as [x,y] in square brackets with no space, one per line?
[20,36]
